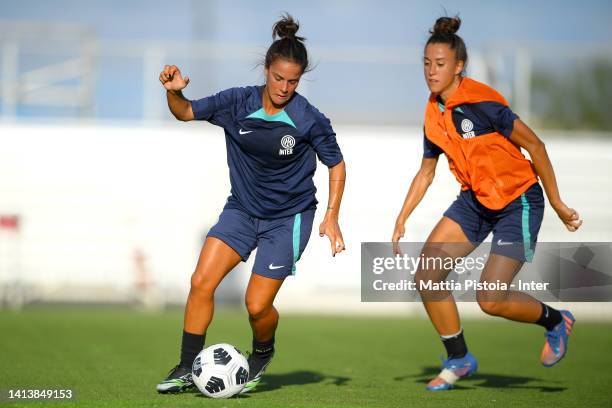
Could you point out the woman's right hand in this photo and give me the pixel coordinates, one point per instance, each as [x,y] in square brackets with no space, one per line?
[397,234]
[172,79]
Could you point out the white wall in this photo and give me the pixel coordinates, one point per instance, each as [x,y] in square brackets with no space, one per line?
[90,196]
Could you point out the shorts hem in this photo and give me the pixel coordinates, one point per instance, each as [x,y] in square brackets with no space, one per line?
[521,258]
[465,232]
[270,276]
[227,241]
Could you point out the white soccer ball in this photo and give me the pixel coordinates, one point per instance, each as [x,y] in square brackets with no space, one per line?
[220,371]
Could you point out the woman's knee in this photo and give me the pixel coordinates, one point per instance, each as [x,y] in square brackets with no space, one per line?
[491,303]
[420,279]
[202,286]
[427,282]
[256,308]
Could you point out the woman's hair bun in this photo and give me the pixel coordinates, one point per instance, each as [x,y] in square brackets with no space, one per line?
[446,26]
[286,27]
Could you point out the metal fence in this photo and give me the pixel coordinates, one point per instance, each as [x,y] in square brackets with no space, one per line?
[53,70]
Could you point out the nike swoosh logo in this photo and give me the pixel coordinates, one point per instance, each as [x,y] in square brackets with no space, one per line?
[500,242]
[244,132]
[271,266]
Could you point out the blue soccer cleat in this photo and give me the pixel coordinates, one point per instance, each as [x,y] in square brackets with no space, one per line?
[556,340]
[452,370]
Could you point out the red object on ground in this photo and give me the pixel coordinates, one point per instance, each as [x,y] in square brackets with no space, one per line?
[9,222]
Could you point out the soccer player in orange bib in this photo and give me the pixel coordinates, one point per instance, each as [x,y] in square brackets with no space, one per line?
[482,138]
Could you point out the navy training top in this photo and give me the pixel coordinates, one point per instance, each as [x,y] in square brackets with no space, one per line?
[271,158]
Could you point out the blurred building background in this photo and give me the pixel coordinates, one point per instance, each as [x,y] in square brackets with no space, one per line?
[105,198]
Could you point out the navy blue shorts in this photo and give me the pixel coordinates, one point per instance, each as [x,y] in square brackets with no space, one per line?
[515,227]
[280,242]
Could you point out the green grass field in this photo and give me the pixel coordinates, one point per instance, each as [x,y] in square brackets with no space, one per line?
[114,358]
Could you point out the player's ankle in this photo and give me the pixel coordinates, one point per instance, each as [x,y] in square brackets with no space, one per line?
[549,317]
[191,345]
[263,348]
[455,345]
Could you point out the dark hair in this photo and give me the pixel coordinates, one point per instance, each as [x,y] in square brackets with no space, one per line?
[288,46]
[443,32]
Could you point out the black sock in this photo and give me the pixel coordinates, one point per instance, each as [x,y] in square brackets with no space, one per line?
[549,318]
[191,345]
[455,346]
[263,348]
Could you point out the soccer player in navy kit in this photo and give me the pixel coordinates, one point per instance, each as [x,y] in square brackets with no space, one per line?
[273,137]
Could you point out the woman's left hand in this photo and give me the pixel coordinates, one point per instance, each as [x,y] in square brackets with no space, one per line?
[568,216]
[330,227]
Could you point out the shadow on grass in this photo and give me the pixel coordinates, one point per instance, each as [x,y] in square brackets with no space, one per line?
[271,382]
[485,380]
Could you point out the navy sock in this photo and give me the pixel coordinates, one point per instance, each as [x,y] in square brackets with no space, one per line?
[191,346]
[549,318]
[455,345]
